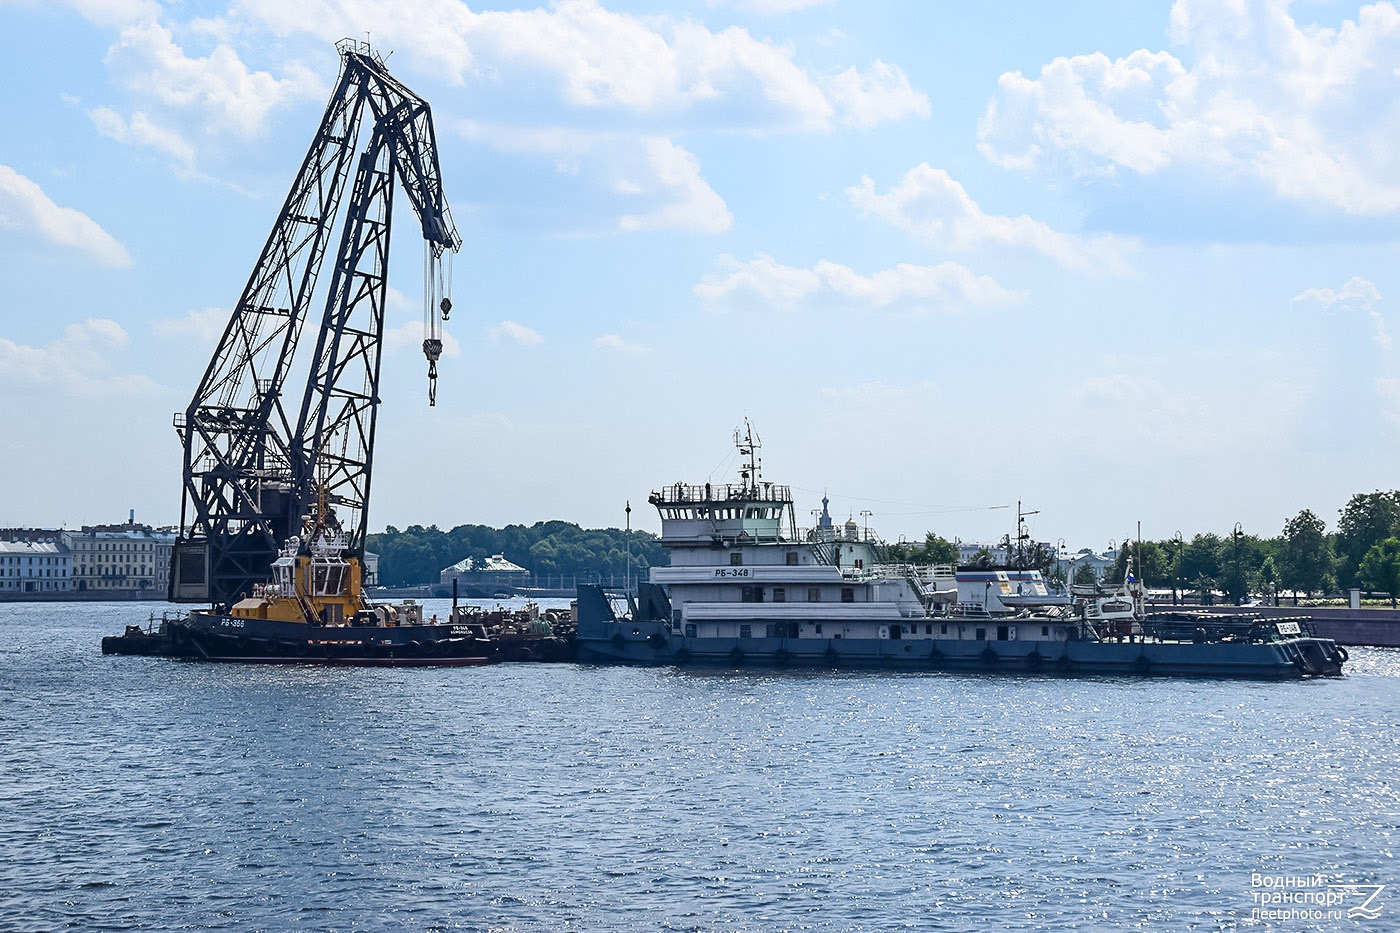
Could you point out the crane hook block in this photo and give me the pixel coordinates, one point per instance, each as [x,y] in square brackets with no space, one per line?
[432,349]
[446,306]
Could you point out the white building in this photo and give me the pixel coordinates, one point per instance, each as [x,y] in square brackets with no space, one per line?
[34,567]
[491,571]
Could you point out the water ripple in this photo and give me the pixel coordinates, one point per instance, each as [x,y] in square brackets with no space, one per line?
[142,794]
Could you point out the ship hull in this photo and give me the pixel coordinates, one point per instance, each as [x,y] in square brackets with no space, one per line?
[629,642]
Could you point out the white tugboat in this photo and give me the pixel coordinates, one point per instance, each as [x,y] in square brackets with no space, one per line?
[746,586]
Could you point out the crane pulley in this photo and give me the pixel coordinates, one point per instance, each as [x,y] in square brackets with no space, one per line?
[254,472]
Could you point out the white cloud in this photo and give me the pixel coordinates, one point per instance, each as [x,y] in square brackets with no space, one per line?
[930,205]
[186,100]
[646,183]
[1357,296]
[203,328]
[599,61]
[947,285]
[516,333]
[880,95]
[25,207]
[1307,111]
[140,131]
[692,203]
[77,365]
[614,343]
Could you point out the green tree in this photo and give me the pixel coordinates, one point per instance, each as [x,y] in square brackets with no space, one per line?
[937,550]
[983,559]
[1200,565]
[1380,568]
[1366,520]
[1305,555]
[1268,577]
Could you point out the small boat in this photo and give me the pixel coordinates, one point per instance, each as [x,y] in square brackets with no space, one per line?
[746,586]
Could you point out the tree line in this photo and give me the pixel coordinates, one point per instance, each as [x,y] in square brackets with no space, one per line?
[1306,559]
[417,555]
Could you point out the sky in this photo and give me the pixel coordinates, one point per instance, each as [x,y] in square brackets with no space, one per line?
[1124,263]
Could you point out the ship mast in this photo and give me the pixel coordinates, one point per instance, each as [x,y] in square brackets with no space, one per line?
[748,447]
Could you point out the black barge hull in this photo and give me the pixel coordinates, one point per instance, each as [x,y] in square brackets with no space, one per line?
[212,637]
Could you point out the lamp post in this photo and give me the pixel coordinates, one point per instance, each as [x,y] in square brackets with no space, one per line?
[629,547]
[1176,576]
[865,517]
[1238,535]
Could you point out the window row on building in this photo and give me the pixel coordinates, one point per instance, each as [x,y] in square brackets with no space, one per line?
[102,558]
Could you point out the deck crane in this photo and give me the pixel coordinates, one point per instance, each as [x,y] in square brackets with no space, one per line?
[252,475]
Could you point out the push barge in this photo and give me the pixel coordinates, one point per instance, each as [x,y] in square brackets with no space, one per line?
[744,586]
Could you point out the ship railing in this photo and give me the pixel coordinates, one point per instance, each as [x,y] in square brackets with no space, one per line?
[1206,627]
[688,493]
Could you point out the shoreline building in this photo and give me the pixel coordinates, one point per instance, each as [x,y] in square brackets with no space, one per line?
[120,558]
[485,574]
[34,561]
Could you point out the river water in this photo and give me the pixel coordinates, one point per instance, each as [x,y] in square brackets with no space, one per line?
[147,794]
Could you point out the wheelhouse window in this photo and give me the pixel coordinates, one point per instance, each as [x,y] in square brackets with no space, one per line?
[848,594]
[736,558]
[779,594]
[814,594]
[751,594]
[792,558]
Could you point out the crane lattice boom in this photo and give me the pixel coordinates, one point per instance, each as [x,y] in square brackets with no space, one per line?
[253,471]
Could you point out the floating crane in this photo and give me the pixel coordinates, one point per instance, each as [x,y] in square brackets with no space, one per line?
[254,477]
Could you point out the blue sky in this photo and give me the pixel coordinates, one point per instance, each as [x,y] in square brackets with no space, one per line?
[1125,262]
